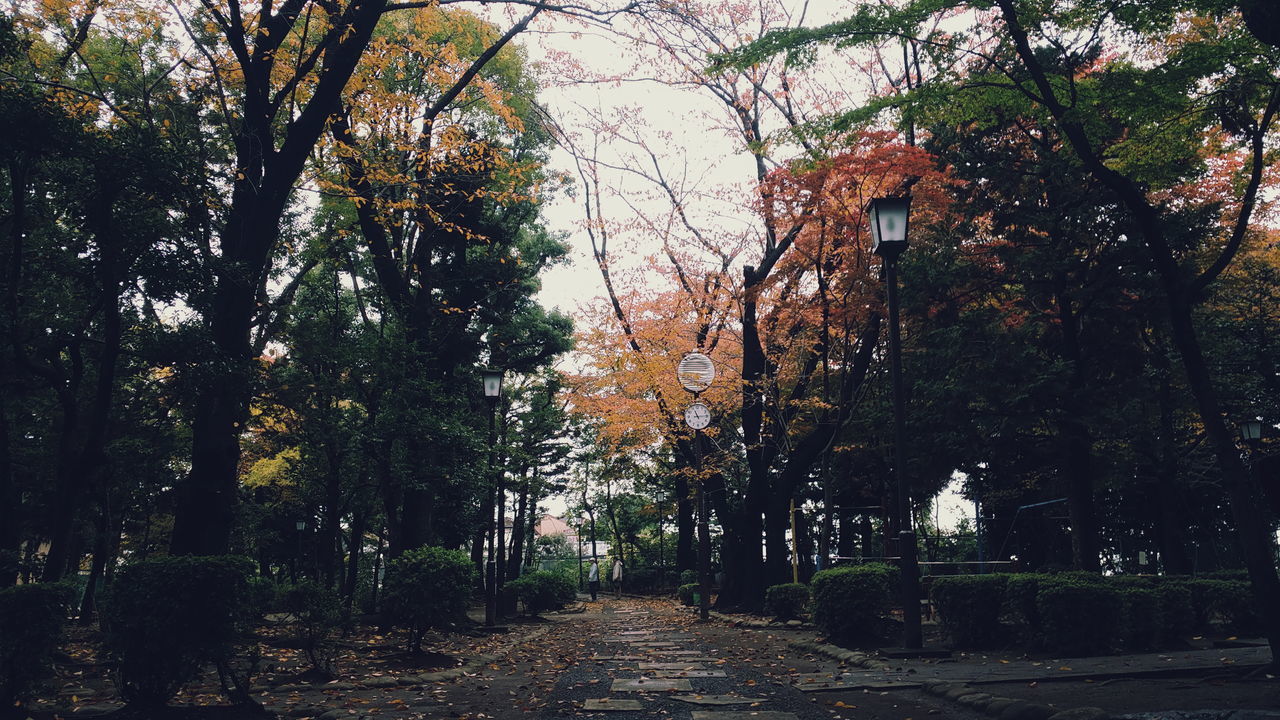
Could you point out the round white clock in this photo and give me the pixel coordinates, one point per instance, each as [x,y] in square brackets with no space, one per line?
[697,416]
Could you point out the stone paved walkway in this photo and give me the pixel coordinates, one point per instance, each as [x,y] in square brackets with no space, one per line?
[654,663]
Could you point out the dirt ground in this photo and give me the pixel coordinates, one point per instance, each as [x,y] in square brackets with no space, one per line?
[533,671]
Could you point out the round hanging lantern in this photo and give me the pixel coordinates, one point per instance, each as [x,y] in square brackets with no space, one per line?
[695,372]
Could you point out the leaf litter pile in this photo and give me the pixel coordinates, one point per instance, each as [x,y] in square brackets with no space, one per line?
[461,675]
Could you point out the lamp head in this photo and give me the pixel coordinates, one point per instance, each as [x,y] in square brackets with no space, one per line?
[889,225]
[1251,430]
[492,383]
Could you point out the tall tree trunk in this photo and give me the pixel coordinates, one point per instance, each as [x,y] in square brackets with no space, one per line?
[531,533]
[477,554]
[1077,449]
[777,562]
[355,549]
[828,515]
[330,539]
[1167,492]
[65,500]
[206,498]
[1075,441]
[516,557]
[10,506]
[1248,505]
[807,544]
[105,542]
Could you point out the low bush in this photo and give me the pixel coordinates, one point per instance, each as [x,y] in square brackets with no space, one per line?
[165,617]
[688,577]
[1020,593]
[542,590]
[316,613]
[786,601]
[1237,574]
[263,596]
[31,618]
[1177,614]
[1079,616]
[1230,602]
[848,602]
[685,593]
[427,588]
[970,608]
[1141,617]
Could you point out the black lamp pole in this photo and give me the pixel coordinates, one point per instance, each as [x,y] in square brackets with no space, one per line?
[492,392]
[911,631]
[704,534]
[490,565]
[889,233]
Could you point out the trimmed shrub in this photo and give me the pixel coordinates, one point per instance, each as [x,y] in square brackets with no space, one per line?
[427,588]
[263,596]
[316,612]
[686,591]
[542,590]
[1142,620]
[786,601]
[1020,593]
[165,617]
[31,618]
[1238,574]
[688,577]
[1230,602]
[1079,617]
[1177,614]
[848,602]
[970,607]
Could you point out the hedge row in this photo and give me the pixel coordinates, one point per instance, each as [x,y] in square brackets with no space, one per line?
[849,602]
[1082,613]
[787,601]
[31,619]
[542,590]
[164,618]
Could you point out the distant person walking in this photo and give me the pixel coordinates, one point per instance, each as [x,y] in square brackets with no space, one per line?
[593,578]
[617,578]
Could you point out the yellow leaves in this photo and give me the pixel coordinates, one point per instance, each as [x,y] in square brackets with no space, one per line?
[273,471]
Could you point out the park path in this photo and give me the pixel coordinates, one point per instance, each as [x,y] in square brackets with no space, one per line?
[645,660]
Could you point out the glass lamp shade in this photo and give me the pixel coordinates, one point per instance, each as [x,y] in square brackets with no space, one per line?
[695,372]
[492,383]
[889,224]
[1251,430]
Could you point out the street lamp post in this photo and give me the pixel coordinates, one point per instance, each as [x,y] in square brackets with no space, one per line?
[888,239]
[695,373]
[301,527]
[493,393]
